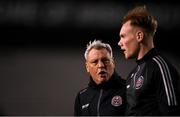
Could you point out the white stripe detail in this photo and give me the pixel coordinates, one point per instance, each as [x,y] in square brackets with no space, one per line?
[167,80]
[167,93]
[173,96]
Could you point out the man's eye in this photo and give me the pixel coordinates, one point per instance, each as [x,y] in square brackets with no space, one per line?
[94,62]
[106,61]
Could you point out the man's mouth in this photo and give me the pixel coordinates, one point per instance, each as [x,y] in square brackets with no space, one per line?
[103,74]
[123,51]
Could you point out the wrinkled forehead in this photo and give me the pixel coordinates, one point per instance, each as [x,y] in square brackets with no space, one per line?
[98,52]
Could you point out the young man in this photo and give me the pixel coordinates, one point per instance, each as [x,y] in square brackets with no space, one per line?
[153,86]
[105,94]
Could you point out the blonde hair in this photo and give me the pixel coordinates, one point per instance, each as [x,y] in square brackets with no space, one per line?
[97,44]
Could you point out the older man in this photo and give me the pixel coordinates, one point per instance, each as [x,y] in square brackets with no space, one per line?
[105,94]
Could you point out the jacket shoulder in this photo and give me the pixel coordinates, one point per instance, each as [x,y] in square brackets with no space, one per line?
[83,90]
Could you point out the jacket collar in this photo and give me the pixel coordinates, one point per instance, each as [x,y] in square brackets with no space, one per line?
[153,52]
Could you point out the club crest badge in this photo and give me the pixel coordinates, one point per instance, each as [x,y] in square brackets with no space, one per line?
[116,101]
[139,82]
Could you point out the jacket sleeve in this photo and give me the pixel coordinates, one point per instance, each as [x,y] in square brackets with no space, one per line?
[77,107]
[165,78]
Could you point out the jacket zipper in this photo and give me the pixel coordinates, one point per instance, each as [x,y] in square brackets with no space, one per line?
[99,100]
[134,78]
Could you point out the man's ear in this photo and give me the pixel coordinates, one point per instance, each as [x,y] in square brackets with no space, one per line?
[113,62]
[87,67]
[140,35]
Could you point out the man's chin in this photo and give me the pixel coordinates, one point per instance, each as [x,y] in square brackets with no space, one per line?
[103,79]
[127,57]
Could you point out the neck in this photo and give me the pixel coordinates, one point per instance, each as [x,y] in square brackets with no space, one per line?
[144,48]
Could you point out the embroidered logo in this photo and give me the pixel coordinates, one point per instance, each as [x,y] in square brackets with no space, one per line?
[116,101]
[85,106]
[139,82]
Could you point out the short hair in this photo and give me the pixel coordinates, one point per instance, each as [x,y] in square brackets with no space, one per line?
[139,16]
[97,44]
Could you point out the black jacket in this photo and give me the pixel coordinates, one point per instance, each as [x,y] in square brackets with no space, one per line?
[153,87]
[106,99]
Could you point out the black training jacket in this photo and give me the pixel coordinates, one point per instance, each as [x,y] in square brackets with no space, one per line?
[153,87]
[102,100]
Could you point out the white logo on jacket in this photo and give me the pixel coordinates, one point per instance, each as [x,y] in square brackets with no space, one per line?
[127,86]
[85,106]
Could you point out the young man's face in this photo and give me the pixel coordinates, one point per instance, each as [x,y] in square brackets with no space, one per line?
[100,65]
[128,40]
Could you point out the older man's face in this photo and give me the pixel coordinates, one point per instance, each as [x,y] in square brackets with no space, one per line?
[100,65]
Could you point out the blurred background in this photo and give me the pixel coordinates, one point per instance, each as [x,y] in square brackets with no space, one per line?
[42,48]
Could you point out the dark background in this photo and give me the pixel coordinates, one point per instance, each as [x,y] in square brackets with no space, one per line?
[42,44]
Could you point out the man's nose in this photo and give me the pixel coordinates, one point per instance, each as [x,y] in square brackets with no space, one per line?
[100,64]
[120,43]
